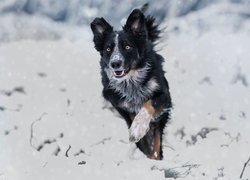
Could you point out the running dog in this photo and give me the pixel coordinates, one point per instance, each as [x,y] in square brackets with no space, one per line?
[133,78]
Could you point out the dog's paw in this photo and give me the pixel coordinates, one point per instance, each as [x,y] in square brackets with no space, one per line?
[140,126]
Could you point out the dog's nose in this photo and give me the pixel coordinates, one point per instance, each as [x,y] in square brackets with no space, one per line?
[116,64]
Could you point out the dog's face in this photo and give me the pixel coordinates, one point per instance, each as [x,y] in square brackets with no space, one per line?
[120,51]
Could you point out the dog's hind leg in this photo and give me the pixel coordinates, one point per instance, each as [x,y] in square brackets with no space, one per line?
[151,143]
[157,146]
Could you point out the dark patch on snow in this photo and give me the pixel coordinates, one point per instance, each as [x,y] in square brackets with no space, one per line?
[243,115]
[220,172]
[223,117]
[50,141]
[79,153]
[236,138]
[177,172]
[168,173]
[180,132]
[122,141]
[63,89]
[61,135]
[118,163]
[68,102]
[206,80]
[57,151]
[18,109]
[42,75]
[240,77]
[244,167]
[45,164]
[69,114]
[47,141]
[103,141]
[6,93]
[81,162]
[2,108]
[7,132]
[67,151]
[224,145]
[32,129]
[18,89]
[202,133]
[231,139]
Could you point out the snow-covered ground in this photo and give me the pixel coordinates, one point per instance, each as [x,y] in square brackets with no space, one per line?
[54,123]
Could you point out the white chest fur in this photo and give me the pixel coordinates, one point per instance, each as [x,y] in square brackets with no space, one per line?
[135,95]
[131,89]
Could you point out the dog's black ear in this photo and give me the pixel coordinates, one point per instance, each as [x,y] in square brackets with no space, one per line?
[100,28]
[136,23]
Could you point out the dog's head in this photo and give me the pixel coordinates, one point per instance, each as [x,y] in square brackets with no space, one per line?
[121,51]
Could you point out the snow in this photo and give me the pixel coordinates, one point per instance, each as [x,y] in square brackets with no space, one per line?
[50,99]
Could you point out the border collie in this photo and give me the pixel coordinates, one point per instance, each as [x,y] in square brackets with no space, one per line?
[133,78]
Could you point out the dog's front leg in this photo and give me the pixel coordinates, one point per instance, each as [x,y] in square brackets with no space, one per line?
[140,124]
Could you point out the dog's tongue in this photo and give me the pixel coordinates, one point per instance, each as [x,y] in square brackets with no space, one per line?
[119,73]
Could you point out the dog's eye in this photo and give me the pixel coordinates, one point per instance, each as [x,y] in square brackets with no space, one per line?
[108,49]
[127,47]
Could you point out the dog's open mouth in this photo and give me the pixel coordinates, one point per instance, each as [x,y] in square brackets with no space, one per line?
[120,73]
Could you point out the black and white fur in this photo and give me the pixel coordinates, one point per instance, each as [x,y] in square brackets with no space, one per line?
[133,79]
